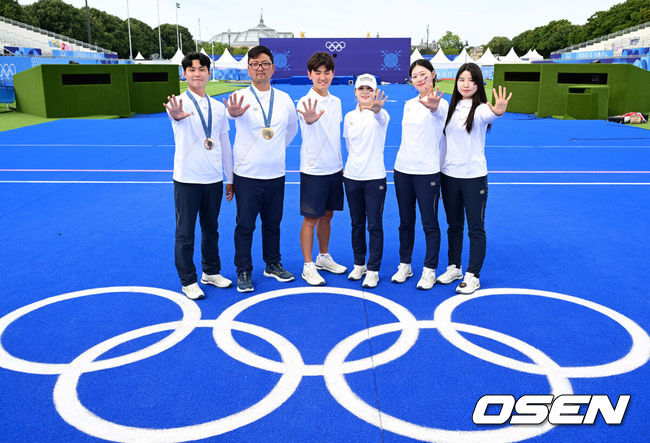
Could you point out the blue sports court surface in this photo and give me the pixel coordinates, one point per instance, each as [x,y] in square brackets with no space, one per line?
[97,341]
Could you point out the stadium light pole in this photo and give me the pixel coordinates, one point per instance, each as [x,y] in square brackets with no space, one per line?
[128,21]
[90,41]
[178,39]
[159,34]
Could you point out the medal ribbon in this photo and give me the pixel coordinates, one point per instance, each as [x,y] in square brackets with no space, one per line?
[267,121]
[206,128]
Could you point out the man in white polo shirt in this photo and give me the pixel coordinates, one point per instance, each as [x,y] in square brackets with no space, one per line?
[266,123]
[201,156]
[321,167]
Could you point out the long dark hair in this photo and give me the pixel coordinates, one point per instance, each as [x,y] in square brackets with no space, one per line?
[478,98]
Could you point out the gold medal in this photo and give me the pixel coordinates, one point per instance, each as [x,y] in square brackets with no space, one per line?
[208,143]
[267,133]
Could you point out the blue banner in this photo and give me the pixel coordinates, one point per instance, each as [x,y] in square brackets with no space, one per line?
[386,58]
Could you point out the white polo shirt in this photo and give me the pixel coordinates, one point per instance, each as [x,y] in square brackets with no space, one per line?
[419,151]
[462,155]
[255,156]
[365,136]
[320,153]
[192,162]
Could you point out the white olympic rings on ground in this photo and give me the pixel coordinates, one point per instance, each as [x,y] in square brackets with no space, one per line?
[191,314]
[293,368]
[70,408]
[335,46]
[406,340]
[637,356]
[341,391]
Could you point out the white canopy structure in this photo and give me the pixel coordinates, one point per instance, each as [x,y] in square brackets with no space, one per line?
[512,57]
[203,51]
[463,57]
[227,61]
[416,55]
[243,63]
[487,59]
[440,57]
[139,56]
[535,56]
[178,57]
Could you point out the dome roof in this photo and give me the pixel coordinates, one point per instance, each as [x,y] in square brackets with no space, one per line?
[250,37]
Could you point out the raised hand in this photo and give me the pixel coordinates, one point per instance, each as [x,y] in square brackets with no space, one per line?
[234,106]
[378,100]
[310,114]
[175,108]
[432,99]
[500,101]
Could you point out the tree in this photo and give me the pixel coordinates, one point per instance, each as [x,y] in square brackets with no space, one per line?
[450,43]
[499,45]
[11,9]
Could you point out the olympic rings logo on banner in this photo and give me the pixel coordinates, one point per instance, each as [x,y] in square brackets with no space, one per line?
[292,367]
[335,46]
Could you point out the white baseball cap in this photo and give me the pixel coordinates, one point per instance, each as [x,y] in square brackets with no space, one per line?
[366,80]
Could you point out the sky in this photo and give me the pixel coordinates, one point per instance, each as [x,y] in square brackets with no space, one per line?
[475,21]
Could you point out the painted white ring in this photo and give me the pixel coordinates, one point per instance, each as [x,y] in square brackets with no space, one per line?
[636,357]
[191,314]
[224,339]
[73,412]
[343,394]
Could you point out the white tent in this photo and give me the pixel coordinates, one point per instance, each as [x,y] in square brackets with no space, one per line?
[416,55]
[203,51]
[463,57]
[227,61]
[535,56]
[487,59]
[512,57]
[139,56]
[178,57]
[243,63]
[526,56]
[440,57]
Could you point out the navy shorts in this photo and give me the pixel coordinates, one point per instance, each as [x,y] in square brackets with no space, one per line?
[320,193]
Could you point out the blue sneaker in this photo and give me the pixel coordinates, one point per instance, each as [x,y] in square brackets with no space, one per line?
[276,271]
[244,282]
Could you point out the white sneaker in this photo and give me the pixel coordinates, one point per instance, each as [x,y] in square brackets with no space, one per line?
[428,278]
[193,291]
[327,263]
[469,284]
[217,280]
[452,274]
[358,272]
[371,280]
[311,276]
[403,272]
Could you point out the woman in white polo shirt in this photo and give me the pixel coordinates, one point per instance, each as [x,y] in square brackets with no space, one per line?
[364,177]
[464,171]
[417,172]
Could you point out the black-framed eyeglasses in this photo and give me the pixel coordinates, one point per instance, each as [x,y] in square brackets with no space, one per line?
[263,65]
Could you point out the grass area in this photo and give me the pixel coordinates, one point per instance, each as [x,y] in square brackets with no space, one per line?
[216,87]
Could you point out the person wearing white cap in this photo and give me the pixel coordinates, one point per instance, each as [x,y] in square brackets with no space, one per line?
[364,176]
[417,172]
